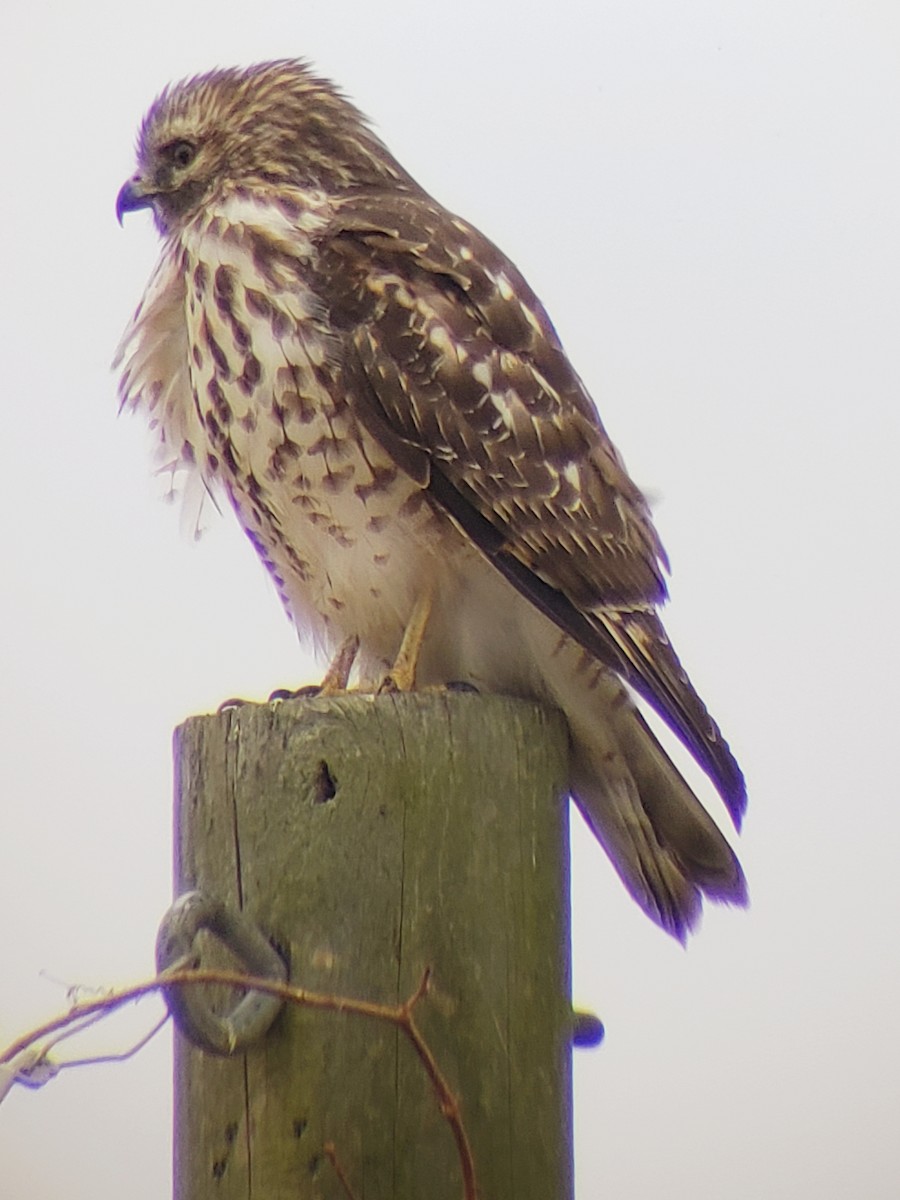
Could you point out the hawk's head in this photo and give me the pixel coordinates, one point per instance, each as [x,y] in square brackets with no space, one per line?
[271,124]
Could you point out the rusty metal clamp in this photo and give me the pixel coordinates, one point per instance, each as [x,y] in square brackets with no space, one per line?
[176,947]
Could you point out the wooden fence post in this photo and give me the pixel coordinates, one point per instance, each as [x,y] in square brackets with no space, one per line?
[370,838]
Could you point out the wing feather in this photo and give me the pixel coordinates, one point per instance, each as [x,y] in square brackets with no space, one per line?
[452,363]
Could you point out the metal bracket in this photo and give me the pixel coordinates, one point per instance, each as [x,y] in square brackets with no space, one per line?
[176,948]
[587,1029]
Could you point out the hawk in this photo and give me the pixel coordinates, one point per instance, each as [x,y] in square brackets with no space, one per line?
[384,400]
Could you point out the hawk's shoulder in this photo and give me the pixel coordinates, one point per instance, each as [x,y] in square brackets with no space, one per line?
[449,349]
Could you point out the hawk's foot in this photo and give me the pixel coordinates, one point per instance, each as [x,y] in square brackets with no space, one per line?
[334,682]
[457,686]
[301,693]
[402,675]
[389,686]
[338,673]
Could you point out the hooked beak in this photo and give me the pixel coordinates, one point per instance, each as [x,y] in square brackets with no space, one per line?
[132,195]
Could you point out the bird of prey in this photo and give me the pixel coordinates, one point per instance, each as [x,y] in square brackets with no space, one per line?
[386,404]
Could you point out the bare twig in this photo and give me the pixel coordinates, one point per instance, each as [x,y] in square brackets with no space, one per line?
[402,1016]
[122,1055]
[331,1155]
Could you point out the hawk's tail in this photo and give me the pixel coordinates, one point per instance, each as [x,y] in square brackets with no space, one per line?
[667,849]
[648,661]
[665,846]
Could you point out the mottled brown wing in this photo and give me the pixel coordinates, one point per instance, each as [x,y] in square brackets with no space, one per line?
[467,365]
[453,364]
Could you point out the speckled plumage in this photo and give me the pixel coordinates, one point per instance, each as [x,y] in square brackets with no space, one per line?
[385,402]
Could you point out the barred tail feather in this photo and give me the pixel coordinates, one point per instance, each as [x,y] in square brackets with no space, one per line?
[650,664]
[666,848]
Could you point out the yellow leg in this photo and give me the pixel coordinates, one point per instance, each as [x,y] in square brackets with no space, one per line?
[402,676]
[338,673]
[334,681]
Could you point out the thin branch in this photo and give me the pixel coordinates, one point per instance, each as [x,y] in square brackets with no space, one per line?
[331,1155]
[122,1055]
[401,1016]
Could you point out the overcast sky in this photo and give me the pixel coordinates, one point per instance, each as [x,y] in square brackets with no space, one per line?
[706,196]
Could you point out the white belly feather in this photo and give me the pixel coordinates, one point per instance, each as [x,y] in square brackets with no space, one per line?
[236,371]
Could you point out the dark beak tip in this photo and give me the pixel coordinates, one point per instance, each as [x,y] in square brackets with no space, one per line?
[130,198]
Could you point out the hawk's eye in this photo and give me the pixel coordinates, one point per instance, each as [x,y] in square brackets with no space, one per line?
[181,153]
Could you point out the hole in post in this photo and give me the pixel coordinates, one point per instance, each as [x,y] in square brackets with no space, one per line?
[324,787]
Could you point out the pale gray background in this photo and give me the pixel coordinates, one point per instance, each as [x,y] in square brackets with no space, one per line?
[706,196]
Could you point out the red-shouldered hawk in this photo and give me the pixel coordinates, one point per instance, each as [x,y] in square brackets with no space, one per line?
[391,413]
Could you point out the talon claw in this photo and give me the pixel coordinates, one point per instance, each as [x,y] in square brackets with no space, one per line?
[300,693]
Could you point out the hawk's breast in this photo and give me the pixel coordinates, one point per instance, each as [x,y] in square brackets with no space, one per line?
[260,410]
